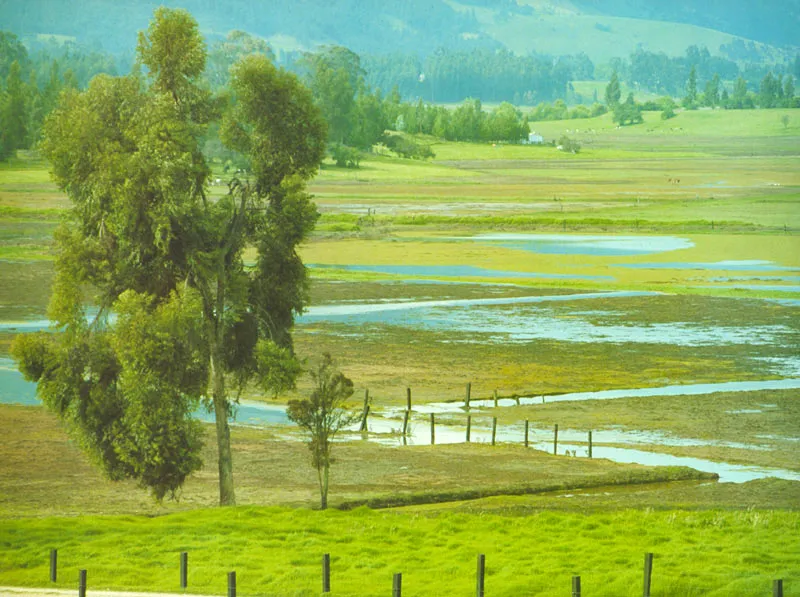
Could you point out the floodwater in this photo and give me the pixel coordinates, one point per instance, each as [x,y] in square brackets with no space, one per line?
[419,434]
[522,319]
[753,265]
[454,271]
[384,426]
[673,390]
[585,244]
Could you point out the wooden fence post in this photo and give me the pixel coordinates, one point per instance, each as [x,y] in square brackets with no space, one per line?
[469,426]
[648,573]
[480,576]
[590,444]
[526,432]
[408,398]
[433,430]
[576,586]
[81,583]
[406,416]
[232,584]
[53,565]
[184,559]
[777,588]
[365,413]
[495,398]
[494,429]
[397,585]
[555,440]
[467,395]
[326,573]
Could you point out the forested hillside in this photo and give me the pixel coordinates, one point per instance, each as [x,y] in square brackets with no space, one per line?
[422,26]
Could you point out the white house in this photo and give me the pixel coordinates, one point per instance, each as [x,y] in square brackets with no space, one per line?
[535,138]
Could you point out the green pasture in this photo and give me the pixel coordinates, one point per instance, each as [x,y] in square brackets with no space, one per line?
[689,125]
[601,37]
[278,551]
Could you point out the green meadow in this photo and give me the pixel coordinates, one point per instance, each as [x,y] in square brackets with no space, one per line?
[719,304]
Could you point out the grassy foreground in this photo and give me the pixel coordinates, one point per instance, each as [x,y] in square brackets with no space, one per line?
[277,551]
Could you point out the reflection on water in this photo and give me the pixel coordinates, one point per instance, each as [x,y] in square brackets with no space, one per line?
[585,244]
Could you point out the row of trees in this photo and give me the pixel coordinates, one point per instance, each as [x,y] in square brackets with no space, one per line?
[30,83]
[775,91]
[491,75]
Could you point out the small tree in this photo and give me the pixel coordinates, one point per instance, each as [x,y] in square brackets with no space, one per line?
[322,416]
[613,91]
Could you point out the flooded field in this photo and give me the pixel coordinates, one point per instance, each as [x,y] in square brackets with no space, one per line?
[474,316]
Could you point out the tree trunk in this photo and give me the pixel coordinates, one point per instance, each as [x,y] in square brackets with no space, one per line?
[221,404]
[227,497]
[323,487]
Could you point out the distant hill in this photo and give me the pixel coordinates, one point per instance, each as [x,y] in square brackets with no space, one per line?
[775,22]
[600,28]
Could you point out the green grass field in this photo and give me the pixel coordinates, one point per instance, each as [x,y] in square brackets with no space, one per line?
[278,551]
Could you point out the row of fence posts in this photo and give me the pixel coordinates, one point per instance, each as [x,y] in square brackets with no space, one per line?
[407,418]
[397,579]
[468,437]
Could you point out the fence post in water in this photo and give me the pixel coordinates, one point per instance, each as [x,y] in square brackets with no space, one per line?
[184,569]
[326,573]
[495,398]
[494,429]
[406,415]
[408,398]
[555,440]
[81,583]
[53,565]
[648,573]
[469,426]
[397,585]
[365,412]
[479,585]
[576,586]
[232,584]
[590,444]
[526,432]
[467,395]
[777,588]
[433,430]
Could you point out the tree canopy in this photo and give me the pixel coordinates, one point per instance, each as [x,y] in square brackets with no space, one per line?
[174,318]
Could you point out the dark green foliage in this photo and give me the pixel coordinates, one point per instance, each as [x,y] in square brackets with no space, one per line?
[558,110]
[628,112]
[690,99]
[323,415]
[569,145]
[344,156]
[406,147]
[613,92]
[145,241]
[768,92]
[711,96]
[13,112]
[450,75]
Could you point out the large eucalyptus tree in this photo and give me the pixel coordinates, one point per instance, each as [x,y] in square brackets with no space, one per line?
[154,309]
